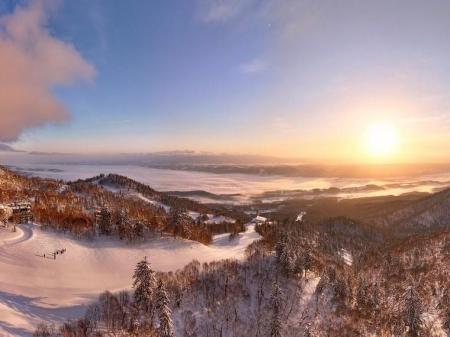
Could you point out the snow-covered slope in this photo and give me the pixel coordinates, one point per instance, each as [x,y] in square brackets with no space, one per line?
[431,211]
[35,289]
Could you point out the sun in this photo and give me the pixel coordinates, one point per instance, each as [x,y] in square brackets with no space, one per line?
[382,139]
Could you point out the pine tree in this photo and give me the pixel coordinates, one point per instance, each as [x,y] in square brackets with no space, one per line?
[307,262]
[175,216]
[446,247]
[120,222]
[275,325]
[285,257]
[138,230]
[413,312]
[144,284]
[280,248]
[164,312]
[104,221]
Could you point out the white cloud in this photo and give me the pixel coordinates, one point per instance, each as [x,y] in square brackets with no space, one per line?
[220,11]
[254,66]
[32,63]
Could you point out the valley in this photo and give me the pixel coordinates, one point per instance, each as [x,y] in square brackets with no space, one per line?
[88,235]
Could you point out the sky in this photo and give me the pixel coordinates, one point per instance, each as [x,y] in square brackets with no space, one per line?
[343,81]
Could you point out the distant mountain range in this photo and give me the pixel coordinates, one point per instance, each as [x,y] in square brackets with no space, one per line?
[7,148]
[223,163]
[379,171]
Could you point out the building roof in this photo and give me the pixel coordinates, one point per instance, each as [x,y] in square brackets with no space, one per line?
[259,218]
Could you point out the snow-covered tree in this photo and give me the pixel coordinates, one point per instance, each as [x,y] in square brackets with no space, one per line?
[164,313]
[445,309]
[138,230]
[104,221]
[446,246]
[307,261]
[302,263]
[286,257]
[275,301]
[413,312]
[44,330]
[281,249]
[144,285]
[308,331]
[110,310]
[121,224]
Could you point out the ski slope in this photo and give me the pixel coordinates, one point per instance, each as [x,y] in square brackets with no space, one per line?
[35,289]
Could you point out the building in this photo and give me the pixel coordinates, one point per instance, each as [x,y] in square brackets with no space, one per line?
[21,212]
[258,220]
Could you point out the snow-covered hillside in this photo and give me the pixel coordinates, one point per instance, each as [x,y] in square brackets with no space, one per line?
[430,211]
[35,288]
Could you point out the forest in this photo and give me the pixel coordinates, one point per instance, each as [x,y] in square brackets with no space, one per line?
[384,272]
[339,278]
[86,208]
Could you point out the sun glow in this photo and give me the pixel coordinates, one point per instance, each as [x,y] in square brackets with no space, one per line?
[382,139]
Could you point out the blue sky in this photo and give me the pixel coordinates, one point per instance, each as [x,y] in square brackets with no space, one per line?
[161,71]
[294,78]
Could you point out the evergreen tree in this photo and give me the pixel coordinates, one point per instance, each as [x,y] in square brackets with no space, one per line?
[275,325]
[181,223]
[164,312]
[138,230]
[307,262]
[285,257]
[144,284]
[174,220]
[446,246]
[445,308]
[364,298]
[281,248]
[121,224]
[413,312]
[104,221]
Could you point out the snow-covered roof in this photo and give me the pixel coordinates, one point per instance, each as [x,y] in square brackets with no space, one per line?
[20,206]
[258,219]
[300,216]
[218,219]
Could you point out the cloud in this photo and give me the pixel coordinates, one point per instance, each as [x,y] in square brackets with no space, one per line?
[220,11]
[32,63]
[254,66]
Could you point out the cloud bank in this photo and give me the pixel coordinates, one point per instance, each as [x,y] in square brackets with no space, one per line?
[32,63]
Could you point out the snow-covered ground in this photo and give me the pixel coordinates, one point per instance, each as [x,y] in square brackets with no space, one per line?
[153,202]
[35,289]
[212,219]
[346,256]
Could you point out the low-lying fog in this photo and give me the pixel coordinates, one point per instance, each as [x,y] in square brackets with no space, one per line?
[241,187]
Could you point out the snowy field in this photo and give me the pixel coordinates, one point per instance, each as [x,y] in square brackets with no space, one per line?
[244,185]
[35,289]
